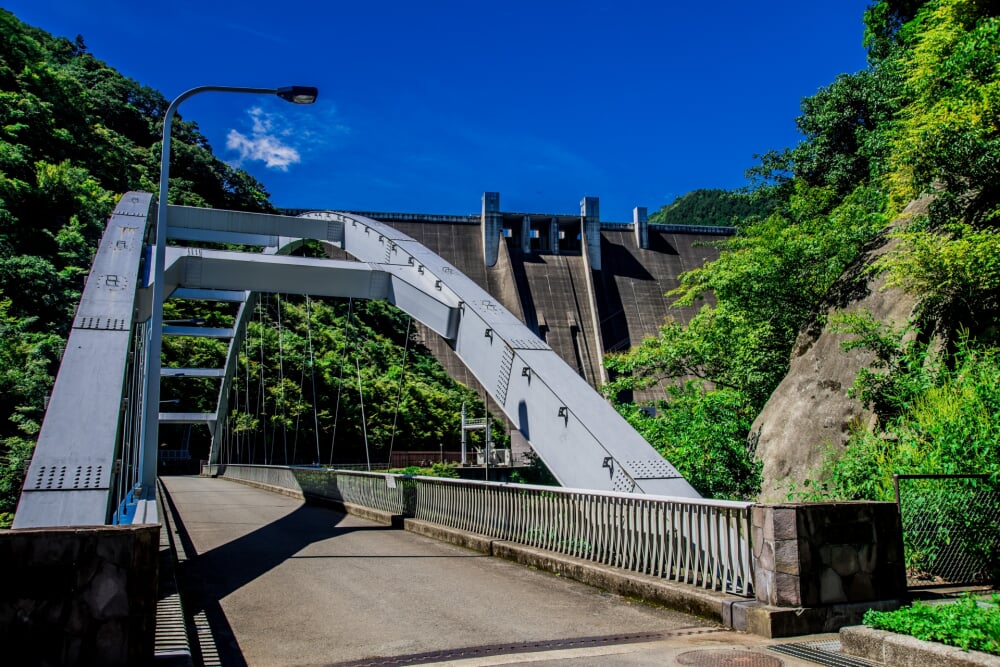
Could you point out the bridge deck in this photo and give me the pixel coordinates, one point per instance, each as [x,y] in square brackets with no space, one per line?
[294,584]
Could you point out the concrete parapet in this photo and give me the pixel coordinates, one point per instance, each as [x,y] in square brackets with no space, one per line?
[79,596]
[889,648]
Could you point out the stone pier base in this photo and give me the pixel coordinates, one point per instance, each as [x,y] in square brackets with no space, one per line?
[79,596]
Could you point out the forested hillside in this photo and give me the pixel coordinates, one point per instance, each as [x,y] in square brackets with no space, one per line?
[922,119]
[710,207]
[74,135]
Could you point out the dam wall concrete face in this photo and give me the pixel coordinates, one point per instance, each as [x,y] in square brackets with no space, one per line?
[585,287]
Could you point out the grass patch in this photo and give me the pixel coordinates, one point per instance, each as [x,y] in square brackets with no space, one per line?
[969,623]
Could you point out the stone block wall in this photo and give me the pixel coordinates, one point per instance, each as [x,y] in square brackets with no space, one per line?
[816,554]
[79,596]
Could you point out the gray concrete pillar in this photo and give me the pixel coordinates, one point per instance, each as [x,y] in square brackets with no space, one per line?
[526,235]
[554,235]
[492,226]
[590,228]
[640,223]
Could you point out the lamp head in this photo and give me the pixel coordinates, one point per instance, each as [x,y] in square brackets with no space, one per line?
[298,94]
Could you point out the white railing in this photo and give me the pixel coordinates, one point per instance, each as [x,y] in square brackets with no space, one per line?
[700,542]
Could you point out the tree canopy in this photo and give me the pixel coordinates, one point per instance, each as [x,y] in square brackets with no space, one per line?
[74,135]
[922,119]
[709,208]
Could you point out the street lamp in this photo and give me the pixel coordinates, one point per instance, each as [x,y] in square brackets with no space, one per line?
[293,94]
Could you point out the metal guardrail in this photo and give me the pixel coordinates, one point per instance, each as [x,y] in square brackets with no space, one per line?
[951,528]
[700,542]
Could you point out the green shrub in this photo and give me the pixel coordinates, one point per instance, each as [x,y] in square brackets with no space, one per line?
[970,624]
[436,470]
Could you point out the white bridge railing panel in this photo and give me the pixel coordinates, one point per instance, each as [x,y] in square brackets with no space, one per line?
[700,542]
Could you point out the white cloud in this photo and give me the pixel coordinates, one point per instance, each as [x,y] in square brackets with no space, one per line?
[266,141]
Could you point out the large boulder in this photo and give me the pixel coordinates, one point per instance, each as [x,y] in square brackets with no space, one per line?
[809,415]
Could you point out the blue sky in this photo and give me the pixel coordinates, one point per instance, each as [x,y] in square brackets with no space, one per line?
[425,105]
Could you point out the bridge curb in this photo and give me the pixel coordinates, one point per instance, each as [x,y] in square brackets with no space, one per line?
[462,538]
[702,603]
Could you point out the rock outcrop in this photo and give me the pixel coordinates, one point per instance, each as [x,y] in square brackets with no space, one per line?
[810,415]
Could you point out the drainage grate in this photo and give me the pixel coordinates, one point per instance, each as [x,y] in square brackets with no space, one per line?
[727,658]
[823,653]
[526,647]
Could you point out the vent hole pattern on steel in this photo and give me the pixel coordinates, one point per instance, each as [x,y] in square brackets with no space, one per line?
[503,379]
[97,322]
[650,469]
[67,477]
[622,482]
[529,344]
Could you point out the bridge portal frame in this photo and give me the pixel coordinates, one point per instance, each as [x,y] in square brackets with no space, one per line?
[580,437]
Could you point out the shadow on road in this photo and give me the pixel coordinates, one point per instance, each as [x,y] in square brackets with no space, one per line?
[206,578]
[209,577]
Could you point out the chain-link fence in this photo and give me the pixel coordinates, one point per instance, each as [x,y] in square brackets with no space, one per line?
[951,528]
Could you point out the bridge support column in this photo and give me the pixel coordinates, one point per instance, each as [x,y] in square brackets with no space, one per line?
[492,223]
[590,229]
[640,222]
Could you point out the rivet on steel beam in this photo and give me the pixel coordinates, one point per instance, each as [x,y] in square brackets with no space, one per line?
[526,372]
[437,284]
[420,268]
[489,334]
[564,413]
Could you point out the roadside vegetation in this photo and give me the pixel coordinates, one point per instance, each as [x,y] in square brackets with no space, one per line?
[971,622]
[922,119]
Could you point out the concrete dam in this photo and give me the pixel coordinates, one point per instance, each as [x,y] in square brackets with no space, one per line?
[584,286]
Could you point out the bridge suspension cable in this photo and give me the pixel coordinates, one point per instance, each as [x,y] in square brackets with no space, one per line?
[361,399]
[262,401]
[312,373]
[281,379]
[340,379]
[399,392]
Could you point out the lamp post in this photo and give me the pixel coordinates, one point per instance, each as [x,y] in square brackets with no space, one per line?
[151,404]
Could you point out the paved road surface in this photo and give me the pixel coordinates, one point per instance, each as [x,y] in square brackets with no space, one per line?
[284,583]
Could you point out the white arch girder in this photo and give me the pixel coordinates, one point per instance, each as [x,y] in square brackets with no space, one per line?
[581,438]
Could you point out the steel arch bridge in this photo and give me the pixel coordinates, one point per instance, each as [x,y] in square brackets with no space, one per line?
[91,465]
